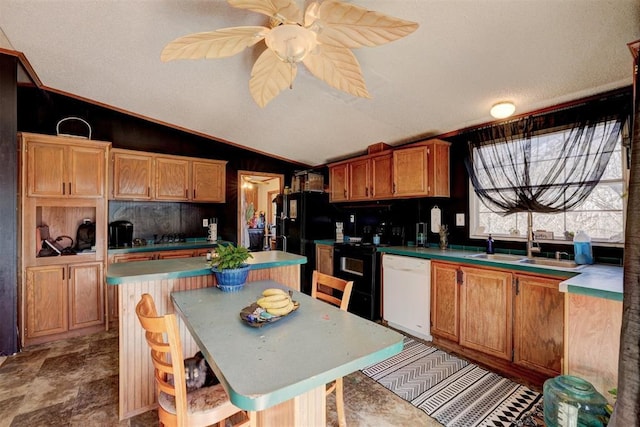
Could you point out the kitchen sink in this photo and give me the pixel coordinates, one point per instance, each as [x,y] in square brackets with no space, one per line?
[564,263]
[497,257]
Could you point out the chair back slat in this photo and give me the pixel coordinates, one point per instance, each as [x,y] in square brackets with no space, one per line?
[166,355]
[323,287]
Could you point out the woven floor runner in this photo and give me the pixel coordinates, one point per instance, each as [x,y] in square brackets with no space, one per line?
[453,391]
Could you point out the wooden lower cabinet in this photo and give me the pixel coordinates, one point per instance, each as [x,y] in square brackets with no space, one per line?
[486,311]
[538,324]
[444,300]
[510,321]
[324,259]
[46,301]
[62,298]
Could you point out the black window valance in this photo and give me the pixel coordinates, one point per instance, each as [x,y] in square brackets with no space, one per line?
[545,163]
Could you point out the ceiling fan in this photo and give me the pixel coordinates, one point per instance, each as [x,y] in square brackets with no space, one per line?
[321,38]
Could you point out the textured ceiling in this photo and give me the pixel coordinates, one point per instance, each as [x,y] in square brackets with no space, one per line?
[466,55]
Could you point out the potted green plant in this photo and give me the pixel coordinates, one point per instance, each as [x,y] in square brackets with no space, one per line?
[230,267]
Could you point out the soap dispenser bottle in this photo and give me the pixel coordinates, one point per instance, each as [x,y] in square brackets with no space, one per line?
[490,246]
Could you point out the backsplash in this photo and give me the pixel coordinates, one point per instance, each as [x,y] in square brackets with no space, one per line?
[158,218]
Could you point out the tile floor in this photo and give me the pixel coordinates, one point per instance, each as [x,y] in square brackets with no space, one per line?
[75,383]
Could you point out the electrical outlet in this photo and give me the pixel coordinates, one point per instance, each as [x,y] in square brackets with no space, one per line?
[205,222]
[460,219]
[352,218]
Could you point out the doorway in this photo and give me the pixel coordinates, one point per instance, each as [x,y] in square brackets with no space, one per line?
[256,212]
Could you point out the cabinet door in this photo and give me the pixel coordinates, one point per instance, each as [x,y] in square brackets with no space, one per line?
[132,176]
[208,183]
[324,259]
[45,170]
[172,179]
[86,174]
[438,169]
[86,306]
[410,172]
[382,176]
[538,324]
[444,300]
[359,180]
[46,301]
[486,311]
[176,254]
[338,180]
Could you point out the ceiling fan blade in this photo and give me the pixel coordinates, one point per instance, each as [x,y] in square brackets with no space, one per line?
[213,44]
[269,77]
[344,24]
[285,11]
[339,68]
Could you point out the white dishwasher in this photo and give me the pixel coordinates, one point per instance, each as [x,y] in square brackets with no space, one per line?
[406,292]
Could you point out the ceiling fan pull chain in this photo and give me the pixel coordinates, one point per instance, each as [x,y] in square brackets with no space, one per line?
[291,65]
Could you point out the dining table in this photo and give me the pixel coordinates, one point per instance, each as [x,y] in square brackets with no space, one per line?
[280,368]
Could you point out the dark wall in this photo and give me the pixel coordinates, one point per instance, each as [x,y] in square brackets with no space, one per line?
[40,111]
[8,207]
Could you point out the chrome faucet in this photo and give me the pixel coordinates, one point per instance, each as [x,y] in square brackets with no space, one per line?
[559,255]
[532,245]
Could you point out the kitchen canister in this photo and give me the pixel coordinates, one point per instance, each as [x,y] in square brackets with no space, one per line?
[582,248]
[573,402]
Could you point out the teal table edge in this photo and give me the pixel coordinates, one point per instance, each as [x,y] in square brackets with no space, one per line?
[251,404]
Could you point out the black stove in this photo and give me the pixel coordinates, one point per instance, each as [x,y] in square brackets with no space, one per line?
[359,261]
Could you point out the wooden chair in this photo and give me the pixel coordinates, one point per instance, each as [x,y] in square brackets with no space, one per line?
[325,287]
[176,407]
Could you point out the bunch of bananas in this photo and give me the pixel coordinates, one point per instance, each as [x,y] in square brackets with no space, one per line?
[276,302]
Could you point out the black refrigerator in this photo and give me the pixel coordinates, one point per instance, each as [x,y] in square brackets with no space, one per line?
[303,218]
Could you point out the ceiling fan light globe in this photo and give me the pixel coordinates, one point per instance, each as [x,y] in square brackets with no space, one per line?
[290,42]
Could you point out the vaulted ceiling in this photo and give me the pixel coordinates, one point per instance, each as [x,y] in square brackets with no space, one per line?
[465,56]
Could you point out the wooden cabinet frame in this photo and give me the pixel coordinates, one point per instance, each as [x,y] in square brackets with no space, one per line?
[63,182]
[419,170]
[511,321]
[146,176]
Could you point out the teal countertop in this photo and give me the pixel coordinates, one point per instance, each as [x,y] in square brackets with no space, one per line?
[598,280]
[141,271]
[261,367]
[189,244]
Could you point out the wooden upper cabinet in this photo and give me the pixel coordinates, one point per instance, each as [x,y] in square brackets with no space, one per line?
[64,167]
[359,184]
[409,172]
[422,170]
[338,182]
[138,175]
[486,311]
[382,176]
[132,175]
[172,179]
[208,181]
[538,324]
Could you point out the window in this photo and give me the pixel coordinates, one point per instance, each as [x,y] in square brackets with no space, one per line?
[601,215]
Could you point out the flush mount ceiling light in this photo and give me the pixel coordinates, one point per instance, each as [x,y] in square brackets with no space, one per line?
[502,110]
[321,38]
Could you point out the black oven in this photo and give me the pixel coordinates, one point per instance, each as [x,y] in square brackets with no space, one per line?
[359,262]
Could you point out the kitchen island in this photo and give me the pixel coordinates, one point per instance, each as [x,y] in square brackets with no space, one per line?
[159,278]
